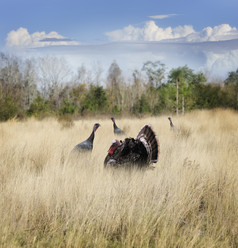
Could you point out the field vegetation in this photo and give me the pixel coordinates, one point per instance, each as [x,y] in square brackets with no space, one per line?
[190,198]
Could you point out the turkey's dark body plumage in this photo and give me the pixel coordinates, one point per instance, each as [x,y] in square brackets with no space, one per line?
[84,146]
[140,152]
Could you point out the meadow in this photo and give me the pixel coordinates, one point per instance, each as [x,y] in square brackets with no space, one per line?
[190,198]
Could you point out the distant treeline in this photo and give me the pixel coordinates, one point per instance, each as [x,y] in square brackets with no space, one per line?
[46,86]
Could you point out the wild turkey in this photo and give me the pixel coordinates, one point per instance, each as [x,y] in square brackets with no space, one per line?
[87,145]
[140,152]
[172,127]
[116,129]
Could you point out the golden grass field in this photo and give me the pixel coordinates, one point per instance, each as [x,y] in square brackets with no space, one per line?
[189,200]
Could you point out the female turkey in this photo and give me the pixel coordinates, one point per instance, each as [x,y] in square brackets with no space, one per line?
[172,127]
[116,129]
[87,145]
[140,152]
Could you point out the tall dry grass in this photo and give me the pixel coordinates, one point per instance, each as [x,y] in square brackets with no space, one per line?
[189,200]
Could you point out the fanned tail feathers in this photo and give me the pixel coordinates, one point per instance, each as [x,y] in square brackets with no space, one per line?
[148,137]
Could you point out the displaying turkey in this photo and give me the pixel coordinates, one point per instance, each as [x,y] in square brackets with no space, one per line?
[116,129]
[140,152]
[87,145]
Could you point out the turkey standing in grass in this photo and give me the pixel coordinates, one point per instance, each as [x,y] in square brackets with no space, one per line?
[116,129]
[87,145]
[172,127]
[140,152]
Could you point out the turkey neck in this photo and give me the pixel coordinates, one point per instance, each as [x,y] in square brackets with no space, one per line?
[91,137]
[171,123]
[115,125]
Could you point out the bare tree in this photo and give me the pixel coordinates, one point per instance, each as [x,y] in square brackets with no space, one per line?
[155,72]
[53,73]
[84,76]
[11,76]
[137,87]
[114,84]
[29,83]
[97,74]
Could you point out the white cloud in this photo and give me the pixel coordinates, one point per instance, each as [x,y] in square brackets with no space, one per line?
[186,33]
[218,33]
[162,16]
[150,32]
[128,33]
[22,39]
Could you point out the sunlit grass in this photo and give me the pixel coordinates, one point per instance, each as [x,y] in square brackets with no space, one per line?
[189,200]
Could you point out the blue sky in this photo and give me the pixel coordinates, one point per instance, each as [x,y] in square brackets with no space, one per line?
[48,23]
[89,20]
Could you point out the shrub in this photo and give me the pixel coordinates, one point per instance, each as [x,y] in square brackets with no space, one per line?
[39,107]
[8,108]
[67,108]
[96,100]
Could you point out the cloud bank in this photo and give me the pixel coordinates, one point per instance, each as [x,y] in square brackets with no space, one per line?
[21,38]
[186,33]
[174,47]
[150,32]
[214,58]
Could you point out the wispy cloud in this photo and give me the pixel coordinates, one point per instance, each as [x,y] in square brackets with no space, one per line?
[162,16]
[56,39]
[21,38]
